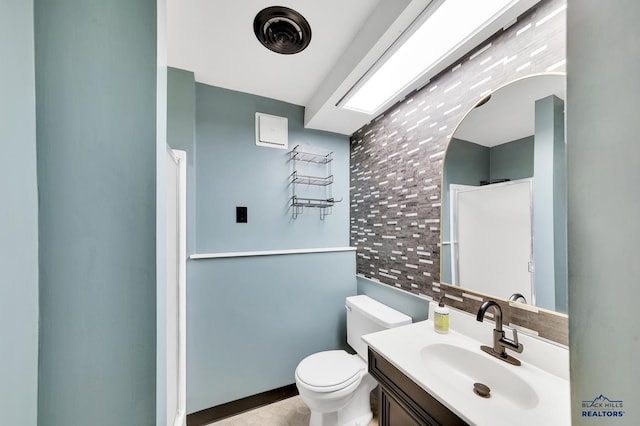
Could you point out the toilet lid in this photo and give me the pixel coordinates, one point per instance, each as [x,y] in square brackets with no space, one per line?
[329,370]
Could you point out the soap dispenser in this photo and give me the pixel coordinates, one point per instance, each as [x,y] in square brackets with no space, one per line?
[441,317]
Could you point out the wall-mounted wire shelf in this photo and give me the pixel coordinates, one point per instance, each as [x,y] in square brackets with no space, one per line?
[297,154]
[324,204]
[312,202]
[311,170]
[311,180]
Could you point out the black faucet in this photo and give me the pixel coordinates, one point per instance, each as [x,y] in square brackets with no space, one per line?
[500,342]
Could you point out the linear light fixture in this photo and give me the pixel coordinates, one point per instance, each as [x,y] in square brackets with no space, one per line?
[444,32]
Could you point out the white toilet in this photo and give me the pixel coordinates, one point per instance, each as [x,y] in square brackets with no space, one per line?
[335,384]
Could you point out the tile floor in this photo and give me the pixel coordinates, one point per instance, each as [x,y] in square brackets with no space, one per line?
[288,412]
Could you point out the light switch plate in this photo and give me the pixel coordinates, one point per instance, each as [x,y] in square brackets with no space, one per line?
[241,215]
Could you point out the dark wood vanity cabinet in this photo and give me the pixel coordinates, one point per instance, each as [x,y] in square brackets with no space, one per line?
[403,402]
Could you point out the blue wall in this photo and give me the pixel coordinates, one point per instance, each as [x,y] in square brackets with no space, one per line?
[96,140]
[232,171]
[250,320]
[18,218]
[407,303]
[603,171]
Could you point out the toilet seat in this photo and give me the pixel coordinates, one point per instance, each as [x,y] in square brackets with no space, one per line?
[329,371]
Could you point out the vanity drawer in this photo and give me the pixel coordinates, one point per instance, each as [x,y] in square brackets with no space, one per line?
[399,392]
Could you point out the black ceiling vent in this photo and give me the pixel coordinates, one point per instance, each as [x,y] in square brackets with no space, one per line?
[282,30]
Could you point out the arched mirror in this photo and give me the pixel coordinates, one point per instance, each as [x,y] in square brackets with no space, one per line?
[504,196]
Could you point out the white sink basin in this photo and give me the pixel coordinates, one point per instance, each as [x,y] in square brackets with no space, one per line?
[461,368]
[447,366]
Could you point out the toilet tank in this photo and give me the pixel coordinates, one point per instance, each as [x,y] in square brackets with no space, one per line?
[364,316]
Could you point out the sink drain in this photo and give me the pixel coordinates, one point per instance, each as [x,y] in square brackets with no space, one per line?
[482,390]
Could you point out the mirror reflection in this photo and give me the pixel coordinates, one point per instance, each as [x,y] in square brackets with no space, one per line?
[504,196]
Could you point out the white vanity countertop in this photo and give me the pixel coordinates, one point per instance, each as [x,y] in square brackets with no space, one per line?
[402,347]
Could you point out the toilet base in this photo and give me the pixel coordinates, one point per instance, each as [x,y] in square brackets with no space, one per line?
[356,413]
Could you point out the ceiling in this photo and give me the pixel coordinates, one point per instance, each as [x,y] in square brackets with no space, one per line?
[215,40]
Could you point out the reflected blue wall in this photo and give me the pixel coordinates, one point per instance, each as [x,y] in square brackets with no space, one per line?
[549,205]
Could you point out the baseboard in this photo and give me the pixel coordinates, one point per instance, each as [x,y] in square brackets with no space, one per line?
[232,408]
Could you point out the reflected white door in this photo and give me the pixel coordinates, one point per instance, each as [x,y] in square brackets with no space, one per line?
[176,287]
[492,230]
